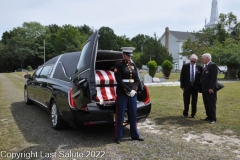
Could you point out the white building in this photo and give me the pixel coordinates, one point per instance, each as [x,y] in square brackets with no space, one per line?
[173,40]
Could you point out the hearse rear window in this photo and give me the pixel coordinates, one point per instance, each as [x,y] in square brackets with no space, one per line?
[66,66]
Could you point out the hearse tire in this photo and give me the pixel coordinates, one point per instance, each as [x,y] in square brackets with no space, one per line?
[57,122]
[26,99]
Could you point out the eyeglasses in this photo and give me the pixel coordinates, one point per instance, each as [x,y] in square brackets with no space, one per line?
[193,61]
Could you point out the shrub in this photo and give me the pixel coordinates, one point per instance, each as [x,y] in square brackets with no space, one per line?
[152,66]
[29,67]
[166,68]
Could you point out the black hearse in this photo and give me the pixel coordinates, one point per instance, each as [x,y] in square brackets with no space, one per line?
[78,88]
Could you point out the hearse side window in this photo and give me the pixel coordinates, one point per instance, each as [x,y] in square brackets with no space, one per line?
[82,59]
[36,73]
[45,72]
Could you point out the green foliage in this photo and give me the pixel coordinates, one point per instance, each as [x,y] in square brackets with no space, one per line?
[154,50]
[85,29]
[152,66]
[123,41]
[139,42]
[228,54]
[29,67]
[107,39]
[222,42]
[167,66]
[68,39]
[136,59]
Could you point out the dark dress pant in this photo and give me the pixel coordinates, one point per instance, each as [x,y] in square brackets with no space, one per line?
[190,95]
[209,101]
[130,103]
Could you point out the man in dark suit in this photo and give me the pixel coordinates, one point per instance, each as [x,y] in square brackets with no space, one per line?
[208,82]
[189,82]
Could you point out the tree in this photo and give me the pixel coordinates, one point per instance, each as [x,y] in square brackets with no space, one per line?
[31,30]
[222,42]
[85,29]
[123,41]
[26,41]
[68,39]
[227,54]
[167,66]
[152,66]
[154,50]
[139,42]
[204,39]
[107,39]
[136,59]
[228,21]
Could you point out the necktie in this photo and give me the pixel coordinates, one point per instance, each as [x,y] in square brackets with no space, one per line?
[204,69]
[192,75]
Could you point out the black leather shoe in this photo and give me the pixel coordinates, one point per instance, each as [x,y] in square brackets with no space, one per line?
[205,119]
[139,139]
[117,141]
[212,122]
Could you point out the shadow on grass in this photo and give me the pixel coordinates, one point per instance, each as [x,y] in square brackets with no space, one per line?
[179,120]
[35,125]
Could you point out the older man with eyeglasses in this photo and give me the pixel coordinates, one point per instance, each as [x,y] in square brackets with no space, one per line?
[190,83]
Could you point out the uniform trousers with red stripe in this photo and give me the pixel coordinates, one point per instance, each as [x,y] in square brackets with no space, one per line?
[130,103]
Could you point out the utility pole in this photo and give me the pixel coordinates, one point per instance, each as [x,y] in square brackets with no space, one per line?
[44,49]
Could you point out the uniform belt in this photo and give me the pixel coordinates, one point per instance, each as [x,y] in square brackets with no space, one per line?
[128,80]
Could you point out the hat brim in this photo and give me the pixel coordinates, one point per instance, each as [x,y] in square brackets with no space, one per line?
[128,54]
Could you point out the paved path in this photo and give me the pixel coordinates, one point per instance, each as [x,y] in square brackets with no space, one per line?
[177,83]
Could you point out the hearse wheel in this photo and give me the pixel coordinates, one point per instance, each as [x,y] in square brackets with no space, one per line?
[57,121]
[26,99]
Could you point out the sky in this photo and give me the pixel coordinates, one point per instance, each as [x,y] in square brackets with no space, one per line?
[125,17]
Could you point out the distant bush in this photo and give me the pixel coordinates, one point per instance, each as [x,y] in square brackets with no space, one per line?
[167,66]
[152,66]
[29,68]
[19,70]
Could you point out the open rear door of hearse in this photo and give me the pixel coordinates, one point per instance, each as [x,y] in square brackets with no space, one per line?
[83,87]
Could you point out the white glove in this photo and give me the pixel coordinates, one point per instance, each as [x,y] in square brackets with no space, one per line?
[132,93]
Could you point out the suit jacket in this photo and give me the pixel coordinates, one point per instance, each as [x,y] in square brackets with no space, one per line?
[185,76]
[208,79]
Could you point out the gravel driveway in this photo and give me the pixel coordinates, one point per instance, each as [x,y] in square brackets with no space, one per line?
[34,138]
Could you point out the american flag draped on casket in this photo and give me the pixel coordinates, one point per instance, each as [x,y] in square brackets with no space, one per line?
[106,86]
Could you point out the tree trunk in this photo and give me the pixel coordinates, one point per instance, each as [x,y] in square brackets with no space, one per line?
[231,73]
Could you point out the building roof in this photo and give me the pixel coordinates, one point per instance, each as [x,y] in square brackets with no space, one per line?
[182,35]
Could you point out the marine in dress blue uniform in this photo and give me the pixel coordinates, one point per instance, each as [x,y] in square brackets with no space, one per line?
[126,75]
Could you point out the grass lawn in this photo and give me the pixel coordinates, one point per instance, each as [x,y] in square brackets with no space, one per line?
[166,131]
[167,107]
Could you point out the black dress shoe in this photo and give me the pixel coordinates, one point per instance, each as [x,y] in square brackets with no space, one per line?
[205,119]
[212,122]
[117,141]
[139,139]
